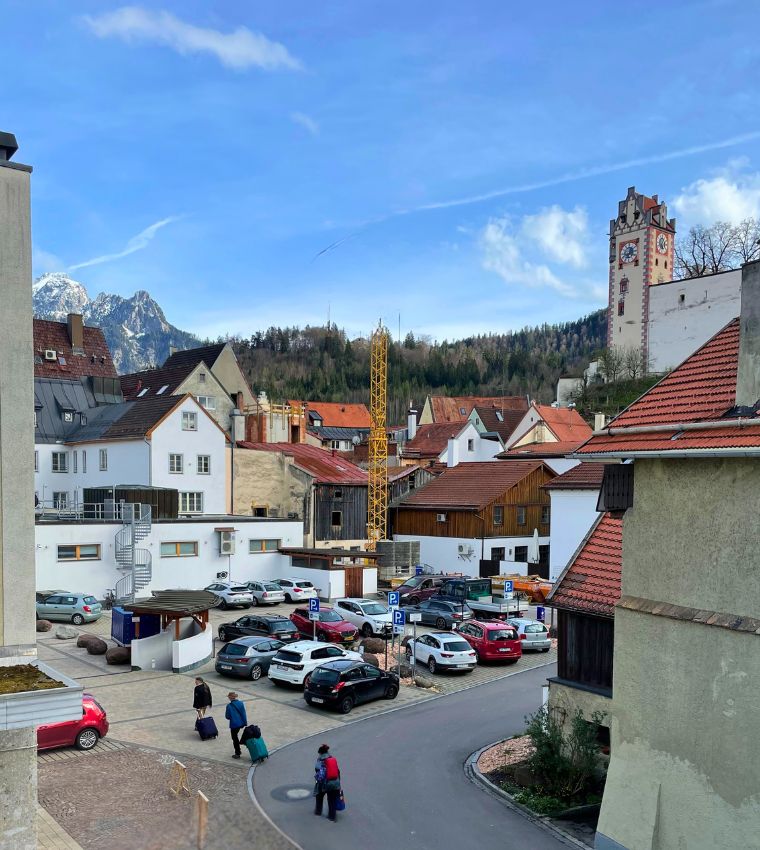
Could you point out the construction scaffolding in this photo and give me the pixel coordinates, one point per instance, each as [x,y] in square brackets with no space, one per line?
[377,498]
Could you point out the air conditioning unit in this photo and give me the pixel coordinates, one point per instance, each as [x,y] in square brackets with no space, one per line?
[222,575]
[226,542]
[440,517]
[461,548]
[51,354]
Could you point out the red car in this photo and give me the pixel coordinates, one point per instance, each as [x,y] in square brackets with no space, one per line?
[493,641]
[83,733]
[331,626]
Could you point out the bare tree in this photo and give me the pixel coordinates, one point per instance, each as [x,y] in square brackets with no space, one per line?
[611,363]
[718,248]
[633,362]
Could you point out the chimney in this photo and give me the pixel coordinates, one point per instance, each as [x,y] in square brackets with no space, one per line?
[172,350]
[600,421]
[76,332]
[748,373]
[411,424]
[452,452]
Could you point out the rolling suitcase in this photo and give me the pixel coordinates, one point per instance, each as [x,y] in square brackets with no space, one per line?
[206,728]
[257,748]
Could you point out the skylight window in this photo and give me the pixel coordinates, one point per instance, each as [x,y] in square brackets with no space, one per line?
[142,392]
[499,416]
[163,389]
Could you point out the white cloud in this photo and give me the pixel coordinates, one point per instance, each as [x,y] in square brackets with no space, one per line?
[728,196]
[500,244]
[561,235]
[305,121]
[239,49]
[44,262]
[136,243]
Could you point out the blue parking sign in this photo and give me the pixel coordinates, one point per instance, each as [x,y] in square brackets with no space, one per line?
[508,586]
[418,570]
[540,613]
[314,604]
[398,617]
[393,598]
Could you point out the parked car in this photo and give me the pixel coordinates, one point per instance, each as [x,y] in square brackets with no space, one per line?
[296,589]
[248,657]
[265,592]
[533,635]
[293,663]
[83,733]
[329,627]
[442,651]
[441,614]
[372,618]
[68,606]
[492,641]
[260,625]
[345,683]
[231,594]
[417,588]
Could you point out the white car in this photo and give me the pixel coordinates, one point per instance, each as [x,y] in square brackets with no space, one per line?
[296,589]
[534,635]
[372,618]
[231,594]
[442,651]
[265,592]
[294,662]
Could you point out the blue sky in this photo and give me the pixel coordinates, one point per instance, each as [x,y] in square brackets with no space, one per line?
[460,162]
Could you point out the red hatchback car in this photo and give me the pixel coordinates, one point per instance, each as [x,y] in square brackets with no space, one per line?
[83,733]
[331,627]
[493,641]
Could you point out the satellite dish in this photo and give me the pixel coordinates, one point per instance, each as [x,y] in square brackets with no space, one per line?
[356,439]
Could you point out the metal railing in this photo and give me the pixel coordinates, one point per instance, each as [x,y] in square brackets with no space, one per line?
[137,520]
[60,509]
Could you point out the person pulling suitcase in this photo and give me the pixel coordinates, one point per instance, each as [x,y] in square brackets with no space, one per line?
[235,713]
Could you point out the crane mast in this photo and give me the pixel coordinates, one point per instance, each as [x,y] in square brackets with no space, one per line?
[377,496]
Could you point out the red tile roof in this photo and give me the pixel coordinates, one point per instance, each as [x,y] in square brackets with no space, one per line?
[449,409]
[324,466]
[54,336]
[590,583]
[542,450]
[564,422]
[585,476]
[701,389]
[431,440]
[338,415]
[503,426]
[471,485]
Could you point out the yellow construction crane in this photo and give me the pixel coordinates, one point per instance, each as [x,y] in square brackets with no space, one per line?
[377,497]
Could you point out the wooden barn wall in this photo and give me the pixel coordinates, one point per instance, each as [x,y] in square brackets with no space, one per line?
[585,646]
[351,501]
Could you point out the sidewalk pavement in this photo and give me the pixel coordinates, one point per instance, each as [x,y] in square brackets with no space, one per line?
[51,835]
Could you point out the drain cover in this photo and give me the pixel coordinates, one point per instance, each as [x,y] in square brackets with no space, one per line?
[292,793]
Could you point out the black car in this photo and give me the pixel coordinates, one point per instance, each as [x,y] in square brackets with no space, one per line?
[439,613]
[344,683]
[260,625]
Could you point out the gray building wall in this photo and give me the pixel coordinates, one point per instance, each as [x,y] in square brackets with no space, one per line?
[685,766]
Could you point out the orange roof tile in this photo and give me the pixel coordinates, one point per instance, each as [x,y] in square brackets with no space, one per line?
[458,408]
[338,415]
[591,581]
[564,422]
[585,476]
[326,467]
[54,336]
[431,440]
[542,449]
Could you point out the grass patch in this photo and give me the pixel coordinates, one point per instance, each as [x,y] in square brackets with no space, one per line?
[25,677]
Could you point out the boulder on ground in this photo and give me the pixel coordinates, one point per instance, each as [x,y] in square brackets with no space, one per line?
[422,680]
[96,646]
[405,672]
[84,640]
[405,640]
[44,625]
[371,659]
[374,645]
[119,655]
[66,632]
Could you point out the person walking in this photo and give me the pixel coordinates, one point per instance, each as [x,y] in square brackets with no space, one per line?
[235,713]
[327,782]
[201,697]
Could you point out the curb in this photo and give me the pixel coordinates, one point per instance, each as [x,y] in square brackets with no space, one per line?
[474,774]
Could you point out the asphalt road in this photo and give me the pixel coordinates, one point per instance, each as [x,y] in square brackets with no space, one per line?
[403,776]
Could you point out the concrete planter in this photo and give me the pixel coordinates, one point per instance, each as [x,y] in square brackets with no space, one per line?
[36,708]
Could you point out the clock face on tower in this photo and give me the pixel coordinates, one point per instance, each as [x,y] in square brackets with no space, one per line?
[628,252]
[662,243]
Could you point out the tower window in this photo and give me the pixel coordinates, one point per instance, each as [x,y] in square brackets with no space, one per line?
[621,307]
[624,285]
[656,261]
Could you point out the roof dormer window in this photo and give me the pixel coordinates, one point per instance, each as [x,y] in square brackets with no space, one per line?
[68,416]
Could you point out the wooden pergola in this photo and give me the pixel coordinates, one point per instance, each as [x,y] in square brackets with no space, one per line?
[324,559]
[173,606]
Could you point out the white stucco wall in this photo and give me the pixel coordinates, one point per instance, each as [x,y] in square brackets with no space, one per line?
[443,554]
[482,450]
[169,438]
[154,652]
[677,328]
[189,572]
[193,650]
[572,513]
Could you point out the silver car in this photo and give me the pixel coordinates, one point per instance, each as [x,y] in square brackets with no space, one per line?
[76,608]
[247,657]
[533,635]
[266,592]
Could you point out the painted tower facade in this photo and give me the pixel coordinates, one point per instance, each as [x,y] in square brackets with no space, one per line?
[641,254]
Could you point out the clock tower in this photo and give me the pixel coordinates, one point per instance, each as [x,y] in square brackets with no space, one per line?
[641,255]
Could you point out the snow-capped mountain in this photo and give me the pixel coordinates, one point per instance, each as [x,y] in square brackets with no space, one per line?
[135,328]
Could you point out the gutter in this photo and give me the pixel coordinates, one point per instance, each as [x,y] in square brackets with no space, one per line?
[741,422]
[670,453]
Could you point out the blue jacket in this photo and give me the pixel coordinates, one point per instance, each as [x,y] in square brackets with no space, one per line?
[235,713]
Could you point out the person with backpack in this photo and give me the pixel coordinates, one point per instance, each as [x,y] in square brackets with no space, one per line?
[201,697]
[327,782]
[235,713]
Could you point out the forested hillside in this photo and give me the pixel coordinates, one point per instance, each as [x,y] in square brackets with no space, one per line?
[322,363]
